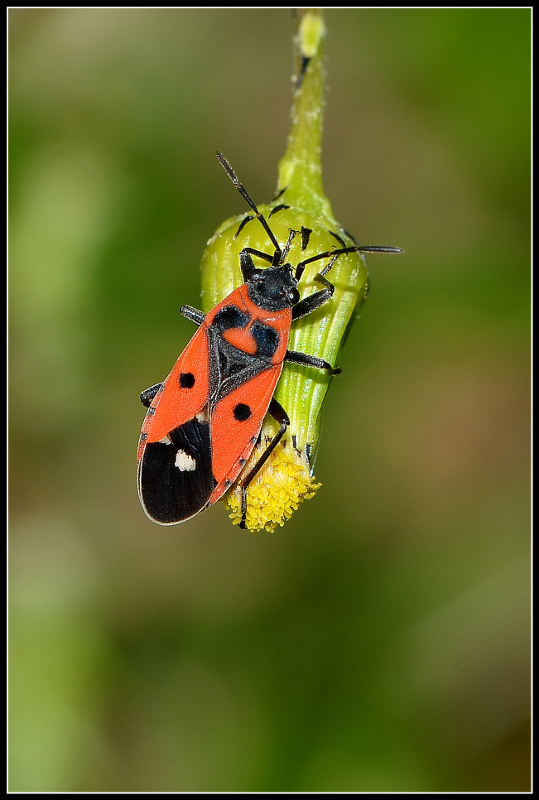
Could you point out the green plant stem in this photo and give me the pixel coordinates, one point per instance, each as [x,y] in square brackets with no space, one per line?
[300,169]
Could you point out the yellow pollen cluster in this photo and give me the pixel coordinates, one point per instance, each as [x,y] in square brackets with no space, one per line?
[276,492]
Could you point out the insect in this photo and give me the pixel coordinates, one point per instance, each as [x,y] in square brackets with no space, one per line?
[204,420]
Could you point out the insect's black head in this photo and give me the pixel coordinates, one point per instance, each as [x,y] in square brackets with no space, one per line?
[273,288]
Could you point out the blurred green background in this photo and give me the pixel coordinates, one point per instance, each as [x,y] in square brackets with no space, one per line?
[380,640]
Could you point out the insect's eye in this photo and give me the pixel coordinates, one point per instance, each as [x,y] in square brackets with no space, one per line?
[294,296]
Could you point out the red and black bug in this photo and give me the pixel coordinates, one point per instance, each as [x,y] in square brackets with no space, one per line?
[204,420]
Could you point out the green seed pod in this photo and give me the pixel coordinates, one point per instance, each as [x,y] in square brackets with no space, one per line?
[286,479]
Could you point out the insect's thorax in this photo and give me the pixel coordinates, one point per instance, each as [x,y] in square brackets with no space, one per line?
[253,330]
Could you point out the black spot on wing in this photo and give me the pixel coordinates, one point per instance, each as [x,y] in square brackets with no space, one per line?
[242,412]
[187,380]
[176,479]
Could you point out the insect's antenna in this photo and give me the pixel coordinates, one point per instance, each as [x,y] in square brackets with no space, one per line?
[232,175]
[367,248]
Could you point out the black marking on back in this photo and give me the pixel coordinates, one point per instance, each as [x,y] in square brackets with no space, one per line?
[232,360]
[170,494]
[230,367]
[229,317]
[266,338]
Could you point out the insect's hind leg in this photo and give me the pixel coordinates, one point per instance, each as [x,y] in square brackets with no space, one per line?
[311,361]
[278,413]
[148,395]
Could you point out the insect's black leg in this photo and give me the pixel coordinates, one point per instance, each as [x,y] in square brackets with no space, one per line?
[193,314]
[314,301]
[311,361]
[278,413]
[309,304]
[148,395]
[246,262]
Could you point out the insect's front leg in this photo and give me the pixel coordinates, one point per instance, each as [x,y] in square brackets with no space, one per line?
[193,314]
[278,413]
[246,262]
[315,300]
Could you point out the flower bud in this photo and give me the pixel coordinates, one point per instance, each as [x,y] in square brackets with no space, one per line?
[286,478]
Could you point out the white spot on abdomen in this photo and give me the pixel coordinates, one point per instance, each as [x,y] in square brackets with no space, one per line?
[185,462]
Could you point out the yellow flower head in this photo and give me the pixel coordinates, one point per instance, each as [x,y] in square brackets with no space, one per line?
[277,490]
